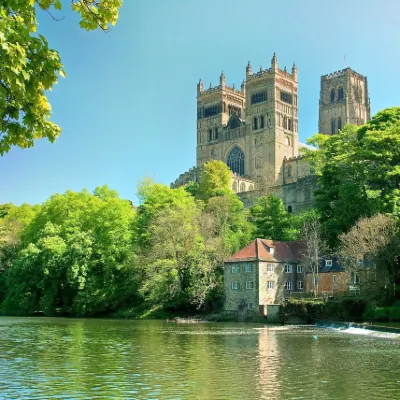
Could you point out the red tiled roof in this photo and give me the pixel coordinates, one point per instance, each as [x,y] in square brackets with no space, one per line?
[260,249]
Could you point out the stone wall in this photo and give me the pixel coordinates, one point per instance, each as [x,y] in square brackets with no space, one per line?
[240,296]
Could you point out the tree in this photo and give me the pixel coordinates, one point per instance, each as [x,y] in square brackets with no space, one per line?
[215,180]
[75,256]
[371,249]
[313,248]
[272,221]
[358,173]
[28,67]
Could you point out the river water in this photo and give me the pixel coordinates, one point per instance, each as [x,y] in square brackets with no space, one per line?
[48,358]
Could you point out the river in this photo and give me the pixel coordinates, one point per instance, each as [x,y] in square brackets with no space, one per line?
[49,358]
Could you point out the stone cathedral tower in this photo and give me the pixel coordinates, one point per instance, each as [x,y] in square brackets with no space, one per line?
[343,100]
[253,129]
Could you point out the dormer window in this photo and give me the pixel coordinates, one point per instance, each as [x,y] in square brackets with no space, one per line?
[328,263]
[272,250]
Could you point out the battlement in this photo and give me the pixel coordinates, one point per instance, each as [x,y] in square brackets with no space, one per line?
[219,88]
[341,72]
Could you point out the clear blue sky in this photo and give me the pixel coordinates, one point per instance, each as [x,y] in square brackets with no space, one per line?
[128,105]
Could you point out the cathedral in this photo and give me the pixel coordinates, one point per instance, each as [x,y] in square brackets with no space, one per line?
[254,130]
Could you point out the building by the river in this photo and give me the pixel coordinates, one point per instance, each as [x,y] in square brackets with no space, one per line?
[254,129]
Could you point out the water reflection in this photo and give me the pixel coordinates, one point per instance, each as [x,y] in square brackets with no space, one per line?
[65,358]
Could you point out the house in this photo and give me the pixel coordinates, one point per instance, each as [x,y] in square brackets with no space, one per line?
[262,273]
[333,280]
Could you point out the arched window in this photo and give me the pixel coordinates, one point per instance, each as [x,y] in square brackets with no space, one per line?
[289,171]
[287,141]
[242,187]
[251,187]
[339,123]
[224,107]
[255,123]
[234,186]
[289,209]
[332,95]
[216,133]
[333,126]
[236,161]
[340,94]
[262,122]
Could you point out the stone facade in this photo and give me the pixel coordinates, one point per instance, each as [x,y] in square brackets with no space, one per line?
[264,272]
[343,100]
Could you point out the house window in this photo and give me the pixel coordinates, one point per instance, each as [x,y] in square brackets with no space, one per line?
[288,285]
[328,263]
[300,285]
[270,284]
[235,269]
[249,267]
[255,123]
[249,285]
[299,269]
[288,268]
[235,285]
[236,161]
[333,278]
[270,267]
[332,95]
[355,278]
[249,306]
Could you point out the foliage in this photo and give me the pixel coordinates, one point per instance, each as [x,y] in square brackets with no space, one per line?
[372,247]
[215,180]
[28,67]
[272,221]
[75,256]
[358,173]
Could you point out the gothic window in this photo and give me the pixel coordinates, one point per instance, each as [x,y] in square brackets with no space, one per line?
[285,122]
[236,161]
[209,135]
[224,107]
[212,110]
[234,186]
[339,123]
[286,98]
[290,124]
[287,141]
[289,171]
[242,187]
[289,209]
[340,94]
[333,126]
[332,95]
[255,123]
[259,97]
[216,134]
[251,187]
[262,122]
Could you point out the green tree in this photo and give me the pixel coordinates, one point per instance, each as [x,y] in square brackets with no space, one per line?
[28,67]
[215,180]
[76,256]
[358,173]
[272,221]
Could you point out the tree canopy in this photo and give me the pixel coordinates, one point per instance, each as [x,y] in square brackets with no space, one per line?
[28,67]
[358,173]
